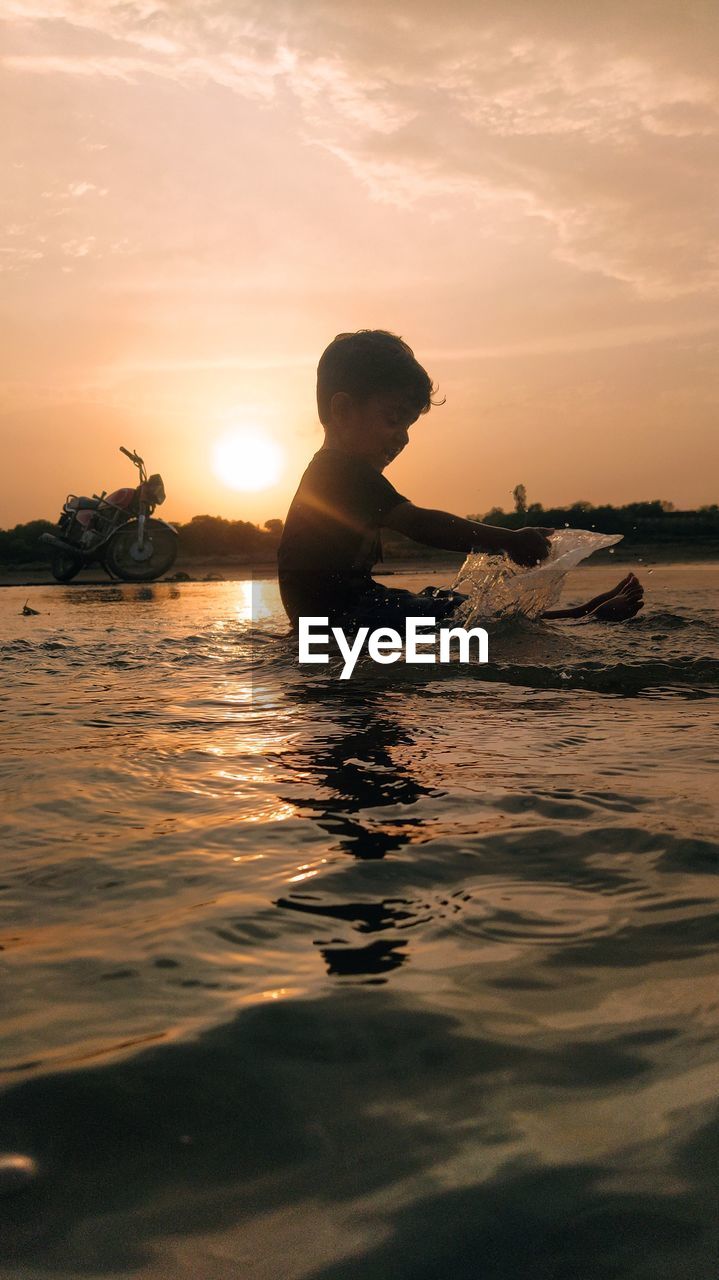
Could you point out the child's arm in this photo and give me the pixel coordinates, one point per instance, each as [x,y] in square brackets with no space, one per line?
[452,533]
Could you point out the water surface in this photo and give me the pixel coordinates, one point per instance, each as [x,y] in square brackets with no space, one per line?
[411,976]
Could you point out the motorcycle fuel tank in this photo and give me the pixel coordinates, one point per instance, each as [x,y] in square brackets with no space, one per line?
[120,498]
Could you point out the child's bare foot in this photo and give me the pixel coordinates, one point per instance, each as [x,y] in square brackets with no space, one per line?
[623,602]
[594,603]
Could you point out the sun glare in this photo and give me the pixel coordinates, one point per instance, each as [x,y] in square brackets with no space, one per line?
[246,459]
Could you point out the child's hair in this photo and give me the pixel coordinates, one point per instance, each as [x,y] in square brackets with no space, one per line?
[371,361]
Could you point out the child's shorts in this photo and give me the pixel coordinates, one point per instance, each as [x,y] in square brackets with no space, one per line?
[391,606]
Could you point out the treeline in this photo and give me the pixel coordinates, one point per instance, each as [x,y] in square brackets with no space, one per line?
[200,536]
[215,536]
[643,522]
[21,545]
[640,522]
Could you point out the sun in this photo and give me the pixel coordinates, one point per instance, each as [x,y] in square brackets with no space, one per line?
[247,459]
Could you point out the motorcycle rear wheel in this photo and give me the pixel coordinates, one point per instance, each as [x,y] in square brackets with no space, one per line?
[64,565]
[161,543]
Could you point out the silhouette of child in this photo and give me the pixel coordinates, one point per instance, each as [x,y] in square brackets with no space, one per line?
[370,390]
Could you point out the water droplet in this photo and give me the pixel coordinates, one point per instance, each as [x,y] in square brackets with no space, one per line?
[565,675]
[566,524]
[611,551]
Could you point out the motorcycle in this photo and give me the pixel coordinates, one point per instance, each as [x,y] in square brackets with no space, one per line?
[115,530]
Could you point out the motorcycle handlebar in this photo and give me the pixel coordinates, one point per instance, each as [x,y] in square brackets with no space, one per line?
[136,459]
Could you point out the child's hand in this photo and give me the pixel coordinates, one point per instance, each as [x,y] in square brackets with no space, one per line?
[527,546]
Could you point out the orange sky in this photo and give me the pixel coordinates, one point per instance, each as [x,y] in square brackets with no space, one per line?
[198,196]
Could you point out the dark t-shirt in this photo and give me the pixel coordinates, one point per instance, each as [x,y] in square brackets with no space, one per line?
[331,536]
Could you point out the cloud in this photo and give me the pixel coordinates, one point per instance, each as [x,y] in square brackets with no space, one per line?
[602,127]
[78,248]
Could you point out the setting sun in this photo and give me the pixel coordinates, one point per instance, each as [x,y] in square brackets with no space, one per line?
[247,460]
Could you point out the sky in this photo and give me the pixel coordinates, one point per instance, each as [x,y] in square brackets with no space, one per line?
[196,197]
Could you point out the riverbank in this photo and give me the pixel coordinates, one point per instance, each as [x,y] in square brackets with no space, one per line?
[236,568]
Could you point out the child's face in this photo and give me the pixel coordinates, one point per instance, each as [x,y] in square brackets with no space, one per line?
[377,430]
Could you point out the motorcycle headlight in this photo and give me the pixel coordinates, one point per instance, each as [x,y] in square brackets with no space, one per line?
[154,490]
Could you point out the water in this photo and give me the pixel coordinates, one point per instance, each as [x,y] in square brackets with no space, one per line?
[498,588]
[406,977]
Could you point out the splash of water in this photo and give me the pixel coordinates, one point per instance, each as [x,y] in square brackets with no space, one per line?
[499,588]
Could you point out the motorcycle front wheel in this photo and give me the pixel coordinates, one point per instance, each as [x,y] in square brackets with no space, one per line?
[125,559]
[64,565]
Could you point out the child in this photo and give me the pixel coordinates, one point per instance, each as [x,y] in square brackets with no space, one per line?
[370,390]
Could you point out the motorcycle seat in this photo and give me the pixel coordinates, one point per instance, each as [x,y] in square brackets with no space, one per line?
[81,504]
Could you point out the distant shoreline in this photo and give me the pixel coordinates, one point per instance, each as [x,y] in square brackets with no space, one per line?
[238,568]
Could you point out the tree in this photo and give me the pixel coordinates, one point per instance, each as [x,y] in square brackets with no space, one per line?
[519,493]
